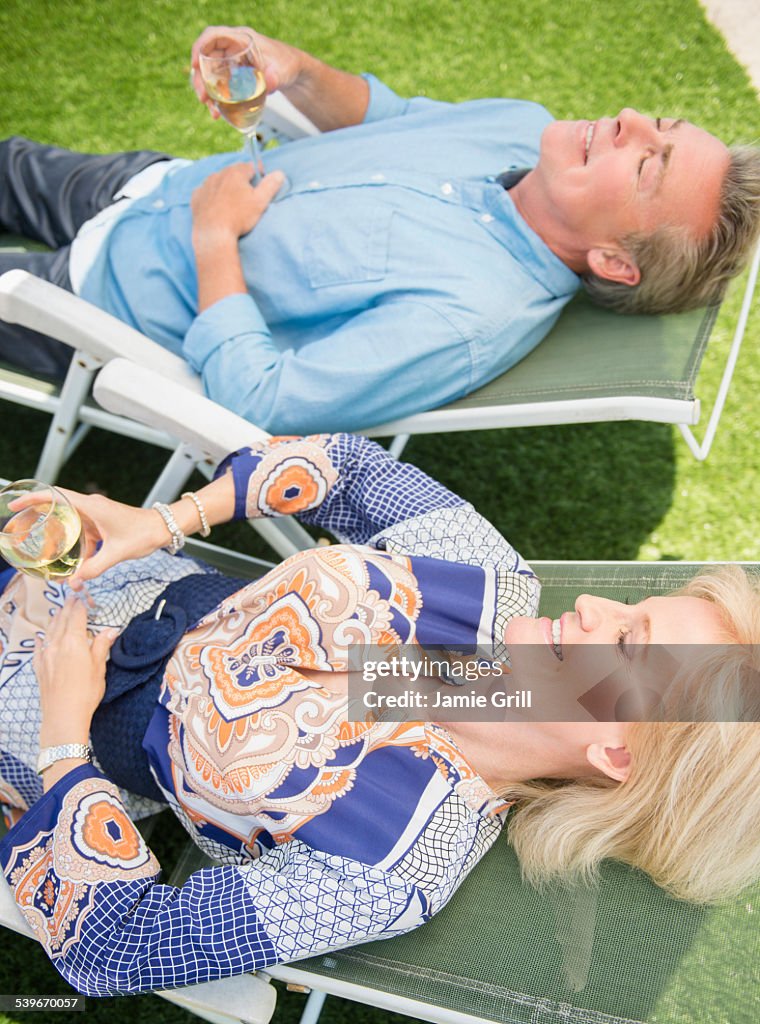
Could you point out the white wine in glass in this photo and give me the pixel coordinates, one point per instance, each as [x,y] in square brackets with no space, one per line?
[232,71]
[44,537]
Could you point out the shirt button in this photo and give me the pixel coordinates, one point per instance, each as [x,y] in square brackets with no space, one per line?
[447,188]
[378,177]
[159,204]
[486,218]
[313,184]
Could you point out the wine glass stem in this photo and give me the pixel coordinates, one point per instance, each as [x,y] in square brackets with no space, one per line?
[253,150]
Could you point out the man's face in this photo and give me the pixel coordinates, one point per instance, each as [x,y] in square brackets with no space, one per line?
[605,179]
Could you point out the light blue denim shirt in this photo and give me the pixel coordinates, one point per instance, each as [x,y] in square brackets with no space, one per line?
[394,276]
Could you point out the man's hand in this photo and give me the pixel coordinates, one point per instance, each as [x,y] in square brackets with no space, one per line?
[330,98]
[283,64]
[225,207]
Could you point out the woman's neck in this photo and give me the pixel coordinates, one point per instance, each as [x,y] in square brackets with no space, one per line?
[509,752]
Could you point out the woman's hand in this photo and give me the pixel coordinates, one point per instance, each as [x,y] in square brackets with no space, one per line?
[113,532]
[71,672]
[283,64]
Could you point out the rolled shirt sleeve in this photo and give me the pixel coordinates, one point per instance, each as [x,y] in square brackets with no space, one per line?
[385,103]
[336,377]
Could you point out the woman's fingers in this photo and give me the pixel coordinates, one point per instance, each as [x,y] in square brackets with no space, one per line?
[102,644]
[91,567]
[60,621]
[70,620]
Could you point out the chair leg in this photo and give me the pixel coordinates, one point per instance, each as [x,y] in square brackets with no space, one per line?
[701,451]
[398,444]
[313,1007]
[174,475]
[292,531]
[75,390]
[75,440]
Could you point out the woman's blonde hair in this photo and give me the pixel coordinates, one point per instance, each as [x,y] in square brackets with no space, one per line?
[689,813]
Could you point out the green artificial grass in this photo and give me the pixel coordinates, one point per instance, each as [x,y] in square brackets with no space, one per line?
[100,76]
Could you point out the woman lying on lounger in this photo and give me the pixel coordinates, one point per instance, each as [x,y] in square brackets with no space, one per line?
[228,700]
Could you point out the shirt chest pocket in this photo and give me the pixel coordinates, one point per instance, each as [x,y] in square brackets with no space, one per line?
[350,245]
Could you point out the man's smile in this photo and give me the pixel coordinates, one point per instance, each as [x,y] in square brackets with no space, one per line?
[589,137]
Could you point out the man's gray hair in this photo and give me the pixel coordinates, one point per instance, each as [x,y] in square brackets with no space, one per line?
[679,272]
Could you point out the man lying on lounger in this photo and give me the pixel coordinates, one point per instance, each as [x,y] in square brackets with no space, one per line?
[400,267]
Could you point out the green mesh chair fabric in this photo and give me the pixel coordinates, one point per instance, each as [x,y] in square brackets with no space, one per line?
[618,953]
[9,243]
[621,952]
[592,353]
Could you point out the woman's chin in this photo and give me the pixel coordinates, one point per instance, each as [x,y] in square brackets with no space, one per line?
[521,630]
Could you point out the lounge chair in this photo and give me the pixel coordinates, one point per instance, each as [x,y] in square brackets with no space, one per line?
[619,953]
[594,366]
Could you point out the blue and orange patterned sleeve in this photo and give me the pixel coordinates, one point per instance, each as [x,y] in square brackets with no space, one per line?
[354,488]
[343,483]
[89,888]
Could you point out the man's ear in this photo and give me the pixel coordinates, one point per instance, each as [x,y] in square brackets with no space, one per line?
[613,761]
[613,265]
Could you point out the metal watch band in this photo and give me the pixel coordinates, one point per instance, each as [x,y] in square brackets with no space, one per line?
[178,537]
[49,755]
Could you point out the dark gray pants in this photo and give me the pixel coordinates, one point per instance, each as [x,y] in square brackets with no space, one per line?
[46,194]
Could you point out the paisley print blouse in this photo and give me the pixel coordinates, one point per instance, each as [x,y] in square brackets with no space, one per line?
[328,831]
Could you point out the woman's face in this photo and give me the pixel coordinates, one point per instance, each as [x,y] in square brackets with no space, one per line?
[606,660]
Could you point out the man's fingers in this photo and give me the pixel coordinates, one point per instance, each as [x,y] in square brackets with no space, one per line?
[271,78]
[270,185]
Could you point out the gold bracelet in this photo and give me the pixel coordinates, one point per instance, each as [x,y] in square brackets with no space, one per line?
[205,528]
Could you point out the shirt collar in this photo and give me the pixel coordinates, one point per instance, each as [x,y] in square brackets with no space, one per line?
[527,247]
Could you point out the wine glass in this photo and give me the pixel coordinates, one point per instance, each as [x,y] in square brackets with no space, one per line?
[42,535]
[233,73]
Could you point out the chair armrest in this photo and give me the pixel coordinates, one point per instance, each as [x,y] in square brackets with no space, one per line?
[143,394]
[42,306]
[10,915]
[284,121]
[241,999]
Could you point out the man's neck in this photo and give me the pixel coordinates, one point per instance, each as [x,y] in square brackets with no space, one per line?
[530,204]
